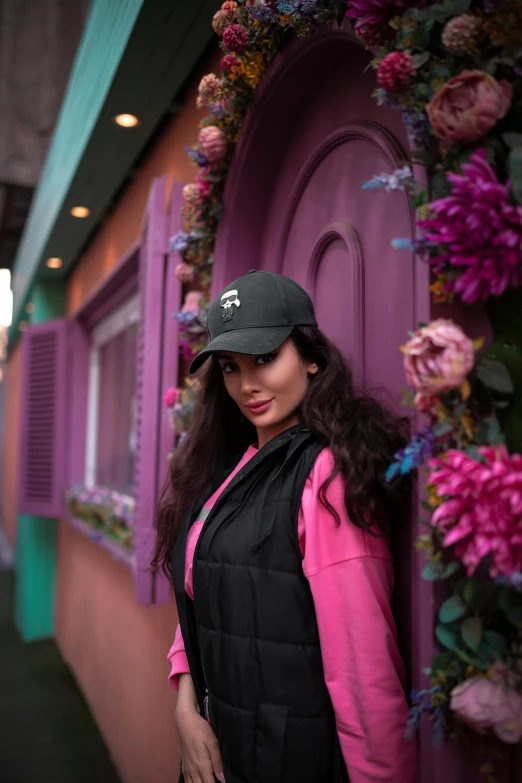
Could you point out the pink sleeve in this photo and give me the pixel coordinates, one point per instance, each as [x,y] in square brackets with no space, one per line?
[178,659]
[351,579]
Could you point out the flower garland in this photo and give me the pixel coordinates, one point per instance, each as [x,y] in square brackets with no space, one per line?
[105,510]
[454,70]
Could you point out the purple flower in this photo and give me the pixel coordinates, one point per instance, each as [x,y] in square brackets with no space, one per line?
[479,230]
[196,156]
[263,14]
[416,124]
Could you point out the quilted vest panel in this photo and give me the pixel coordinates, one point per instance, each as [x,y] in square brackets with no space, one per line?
[256,630]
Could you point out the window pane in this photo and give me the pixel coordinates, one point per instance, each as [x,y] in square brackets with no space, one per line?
[116,439]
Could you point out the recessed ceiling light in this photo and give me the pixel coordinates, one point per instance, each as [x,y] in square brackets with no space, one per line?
[22,325]
[80,212]
[29,308]
[127,120]
[54,263]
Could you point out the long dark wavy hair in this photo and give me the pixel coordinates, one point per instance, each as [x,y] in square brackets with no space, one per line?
[362,433]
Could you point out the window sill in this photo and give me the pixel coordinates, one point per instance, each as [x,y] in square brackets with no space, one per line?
[118,552]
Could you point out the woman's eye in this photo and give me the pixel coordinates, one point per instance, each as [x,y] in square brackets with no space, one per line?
[266,359]
[228,367]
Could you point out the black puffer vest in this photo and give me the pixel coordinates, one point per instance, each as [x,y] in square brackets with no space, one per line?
[251,633]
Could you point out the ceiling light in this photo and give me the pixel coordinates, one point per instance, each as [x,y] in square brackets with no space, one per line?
[54,263]
[80,212]
[22,325]
[29,308]
[127,120]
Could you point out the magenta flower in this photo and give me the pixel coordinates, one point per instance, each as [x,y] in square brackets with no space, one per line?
[481,511]
[171,397]
[374,11]
[480,230]
[235,38]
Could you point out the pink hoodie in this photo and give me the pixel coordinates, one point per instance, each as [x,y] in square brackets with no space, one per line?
[351,578]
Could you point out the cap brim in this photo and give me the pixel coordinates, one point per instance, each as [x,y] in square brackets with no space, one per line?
[255,340]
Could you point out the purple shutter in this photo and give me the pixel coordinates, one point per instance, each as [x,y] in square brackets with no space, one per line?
[170,364]
[44,400]
[78,372]
[148,384]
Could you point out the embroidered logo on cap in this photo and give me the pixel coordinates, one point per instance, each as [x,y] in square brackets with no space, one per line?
[228,302]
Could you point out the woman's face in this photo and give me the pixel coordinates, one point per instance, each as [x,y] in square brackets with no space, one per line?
[269,389]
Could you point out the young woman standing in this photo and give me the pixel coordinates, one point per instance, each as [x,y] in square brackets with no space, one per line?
[276,528]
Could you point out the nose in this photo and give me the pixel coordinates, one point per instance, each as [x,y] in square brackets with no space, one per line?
[249,382]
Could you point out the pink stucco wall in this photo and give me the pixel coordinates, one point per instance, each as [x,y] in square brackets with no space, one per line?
[11,443]
[116,648]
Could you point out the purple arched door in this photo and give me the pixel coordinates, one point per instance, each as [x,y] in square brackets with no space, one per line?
[294,205]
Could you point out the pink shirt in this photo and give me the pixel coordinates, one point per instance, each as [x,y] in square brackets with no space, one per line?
[351,578]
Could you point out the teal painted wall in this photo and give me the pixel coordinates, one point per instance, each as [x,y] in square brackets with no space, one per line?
[37,537]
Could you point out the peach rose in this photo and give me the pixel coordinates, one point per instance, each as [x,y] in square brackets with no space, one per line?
[438,358]
[487,705]
[468,106]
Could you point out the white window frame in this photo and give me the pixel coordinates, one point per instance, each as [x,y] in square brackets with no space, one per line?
[115,323]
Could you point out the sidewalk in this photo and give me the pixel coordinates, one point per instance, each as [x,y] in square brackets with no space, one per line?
[47,734]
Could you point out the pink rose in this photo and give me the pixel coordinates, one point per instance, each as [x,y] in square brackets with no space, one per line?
[438,358]
[184,272]
[191,303]
[468,106]
[171,397]
[485,705]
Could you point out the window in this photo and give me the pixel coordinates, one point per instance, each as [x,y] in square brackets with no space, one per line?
[111,417]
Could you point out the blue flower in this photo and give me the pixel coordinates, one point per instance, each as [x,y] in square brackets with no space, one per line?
[187,318]
[196,156]
[418,450]
[397,180]
[514,581]
[180,242]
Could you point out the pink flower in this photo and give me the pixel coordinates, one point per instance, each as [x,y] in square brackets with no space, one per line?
[396,71]
[171,397]
[438,358]
[191,303]
[204,186]
[482,508]
[426,404]
[184,272]
[466,107]
[485,705]
[209,88]
[235,37]
[480,230]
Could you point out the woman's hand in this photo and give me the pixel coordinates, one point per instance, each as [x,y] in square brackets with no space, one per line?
[200,755]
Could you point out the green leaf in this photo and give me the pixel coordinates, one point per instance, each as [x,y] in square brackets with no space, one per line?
[439,184]
[419,199]
[472,661]
[452,609]
[472,632]
[447,638]
[450,569]
[432,571]
[494,375]
[496,641]
[421,59]
[512,139]
[468,590]
[515,172]
[511,604]
[443,428]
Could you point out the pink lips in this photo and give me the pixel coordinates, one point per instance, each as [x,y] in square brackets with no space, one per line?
[259,407]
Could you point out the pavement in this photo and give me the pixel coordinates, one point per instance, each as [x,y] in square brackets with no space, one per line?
[47,734]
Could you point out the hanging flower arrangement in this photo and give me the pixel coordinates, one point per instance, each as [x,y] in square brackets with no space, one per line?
[454,70]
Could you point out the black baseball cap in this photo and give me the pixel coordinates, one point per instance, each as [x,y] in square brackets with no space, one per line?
[255,314]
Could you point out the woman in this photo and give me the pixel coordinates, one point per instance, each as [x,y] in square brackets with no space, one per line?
[277,519]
